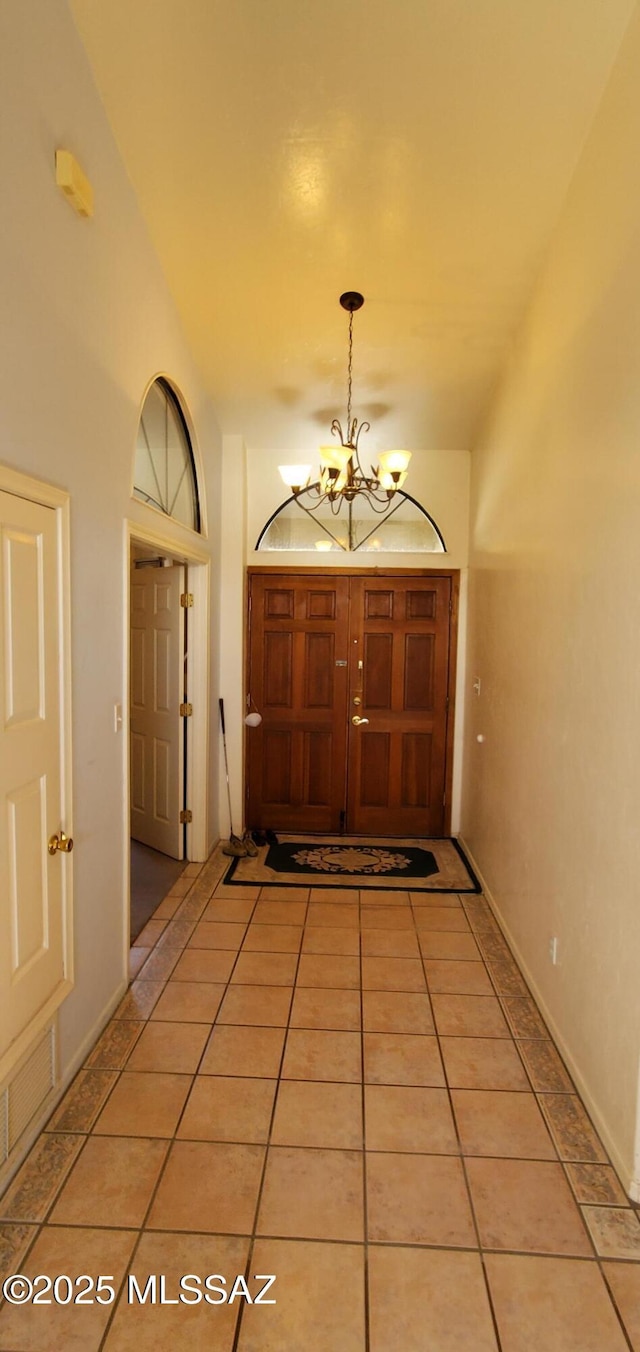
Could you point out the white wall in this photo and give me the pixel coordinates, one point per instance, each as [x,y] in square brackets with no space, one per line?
[87,322]
[552,801]
[233,607]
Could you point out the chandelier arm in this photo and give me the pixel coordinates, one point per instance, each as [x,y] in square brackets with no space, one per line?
[355,437]
[314,489]
[374,528]
[372,499]
[319,495]
[309,511]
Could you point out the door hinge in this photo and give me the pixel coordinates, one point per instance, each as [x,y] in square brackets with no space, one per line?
[186,599]
[186,710]
[186,815]
[343,817]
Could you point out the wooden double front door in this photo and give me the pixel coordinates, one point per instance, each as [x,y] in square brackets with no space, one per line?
[353,677]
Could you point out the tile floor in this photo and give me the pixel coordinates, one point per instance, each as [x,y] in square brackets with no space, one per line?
[354,1093]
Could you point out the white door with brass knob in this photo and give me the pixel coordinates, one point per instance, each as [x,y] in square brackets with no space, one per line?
[33,877]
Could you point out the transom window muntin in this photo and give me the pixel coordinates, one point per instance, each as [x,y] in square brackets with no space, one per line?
[165,474]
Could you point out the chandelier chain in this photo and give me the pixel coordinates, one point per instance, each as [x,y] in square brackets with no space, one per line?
[350,372]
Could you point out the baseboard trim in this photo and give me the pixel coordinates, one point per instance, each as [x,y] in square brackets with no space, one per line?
[30,1136]
[630,1182]
[77,1061]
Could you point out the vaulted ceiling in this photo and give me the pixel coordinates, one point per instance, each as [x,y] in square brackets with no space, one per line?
[284,151]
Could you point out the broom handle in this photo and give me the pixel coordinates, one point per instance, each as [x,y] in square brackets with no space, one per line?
[226,765]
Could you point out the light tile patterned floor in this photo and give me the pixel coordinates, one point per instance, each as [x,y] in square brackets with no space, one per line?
[354,1093]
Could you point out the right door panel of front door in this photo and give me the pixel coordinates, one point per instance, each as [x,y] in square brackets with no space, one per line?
[396,755]
[328,650]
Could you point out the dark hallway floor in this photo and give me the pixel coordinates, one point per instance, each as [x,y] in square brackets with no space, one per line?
[152,876]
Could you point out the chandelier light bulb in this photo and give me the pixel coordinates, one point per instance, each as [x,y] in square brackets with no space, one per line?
[394,462]
[295,476]
[391,481]
[335,457]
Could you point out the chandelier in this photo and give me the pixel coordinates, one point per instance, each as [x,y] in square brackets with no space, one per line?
[342,478]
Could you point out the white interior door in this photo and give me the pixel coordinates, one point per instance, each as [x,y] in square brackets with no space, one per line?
[157,682]
[33,883]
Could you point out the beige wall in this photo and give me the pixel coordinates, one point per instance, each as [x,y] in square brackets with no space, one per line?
[87,322]
[552,796]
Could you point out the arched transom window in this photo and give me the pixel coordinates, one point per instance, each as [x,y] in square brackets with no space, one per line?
[304,523]
[164,473]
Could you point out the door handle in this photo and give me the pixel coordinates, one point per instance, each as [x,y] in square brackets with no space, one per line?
[356,720]
[60,842]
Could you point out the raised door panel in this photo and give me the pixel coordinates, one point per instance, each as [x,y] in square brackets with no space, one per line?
[319,667]
[374,769]
[32,882]
[419,672]
[298,649]
[278,670]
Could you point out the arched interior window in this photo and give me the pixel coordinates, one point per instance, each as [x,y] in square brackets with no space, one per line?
[301,523]
[164,474]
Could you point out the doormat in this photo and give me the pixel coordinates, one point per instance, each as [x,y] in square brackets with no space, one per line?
[349,861]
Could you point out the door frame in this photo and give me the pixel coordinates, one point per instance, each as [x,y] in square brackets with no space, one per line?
[197,748]
[454,576]
[48,495]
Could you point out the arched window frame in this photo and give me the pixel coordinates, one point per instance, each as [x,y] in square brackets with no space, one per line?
[400,495]
[178,405]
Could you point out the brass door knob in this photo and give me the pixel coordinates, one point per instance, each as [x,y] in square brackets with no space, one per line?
[60,842]
[356,720]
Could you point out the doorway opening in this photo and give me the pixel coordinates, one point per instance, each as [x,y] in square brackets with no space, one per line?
[158,705]
[167,719]
[354,676]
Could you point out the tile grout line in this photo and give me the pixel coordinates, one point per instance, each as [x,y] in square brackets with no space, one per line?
[474,1218]
[152,1197]
[539,1094]
[254,1236]
[365,1179]
[142,1231]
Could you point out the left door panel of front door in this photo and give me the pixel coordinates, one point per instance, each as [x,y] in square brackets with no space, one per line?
[298,680]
